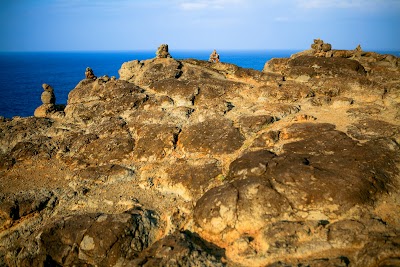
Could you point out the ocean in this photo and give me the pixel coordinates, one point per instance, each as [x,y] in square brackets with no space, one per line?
[23,73]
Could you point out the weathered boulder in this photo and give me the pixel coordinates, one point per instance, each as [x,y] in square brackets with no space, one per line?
[44,110]
[14,207]
[95,239]
[155,141]
[316,66]
[23,130]
[181,92]
[250,164]
[240,207]
[252,124]
[181,249]
[146,72]
[190,180]
[109,142]
[311,181]
[91,101]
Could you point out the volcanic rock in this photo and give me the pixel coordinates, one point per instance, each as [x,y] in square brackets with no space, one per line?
[193,163]
[95,239]
[181,249]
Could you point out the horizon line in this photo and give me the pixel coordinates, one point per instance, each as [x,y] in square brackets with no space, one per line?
[182,49]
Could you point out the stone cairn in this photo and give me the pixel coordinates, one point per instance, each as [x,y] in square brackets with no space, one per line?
[89,74]
[48,96]
[162,52]
[214,57]
[48,102]
[320,47]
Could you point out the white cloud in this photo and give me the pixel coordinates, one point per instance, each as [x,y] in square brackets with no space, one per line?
[193,6]
[343,4]
[281,19]
[208,4]
[312,4]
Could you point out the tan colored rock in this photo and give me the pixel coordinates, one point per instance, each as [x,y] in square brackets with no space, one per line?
[49,109]
[44,110]
[216,136]
[48,99]
[162,52]
[89,74]
[214,57]
[181,248]
[48,96]
[183,162]
[320,47]
[155,141]
[276,65]
[149,71]
[95,236]
[94,100]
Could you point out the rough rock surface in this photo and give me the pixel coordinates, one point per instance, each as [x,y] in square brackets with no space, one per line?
[192,163]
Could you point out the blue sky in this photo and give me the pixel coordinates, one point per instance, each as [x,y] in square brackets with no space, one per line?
[61,25]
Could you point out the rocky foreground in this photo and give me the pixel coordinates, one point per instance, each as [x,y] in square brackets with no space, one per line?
[192,163]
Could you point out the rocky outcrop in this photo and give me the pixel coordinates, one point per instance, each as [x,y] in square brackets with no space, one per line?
[193,163]
[94,239]
[321,49]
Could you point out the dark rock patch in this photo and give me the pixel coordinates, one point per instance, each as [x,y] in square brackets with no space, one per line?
[181,249]
[215,136]
[313,66]
[252,124]
[155,141]
[95,239]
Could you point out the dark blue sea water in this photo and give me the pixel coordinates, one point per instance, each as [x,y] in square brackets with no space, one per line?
[23,73]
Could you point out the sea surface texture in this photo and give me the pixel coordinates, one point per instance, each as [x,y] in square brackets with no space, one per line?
[23,73]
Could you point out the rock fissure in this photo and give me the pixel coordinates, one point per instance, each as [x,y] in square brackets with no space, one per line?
[176,138]
[237,207]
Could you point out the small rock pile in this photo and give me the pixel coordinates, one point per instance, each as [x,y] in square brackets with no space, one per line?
[162,52]
[48,96]
[48,102]
[320,47]
[214,57]
[89,74]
